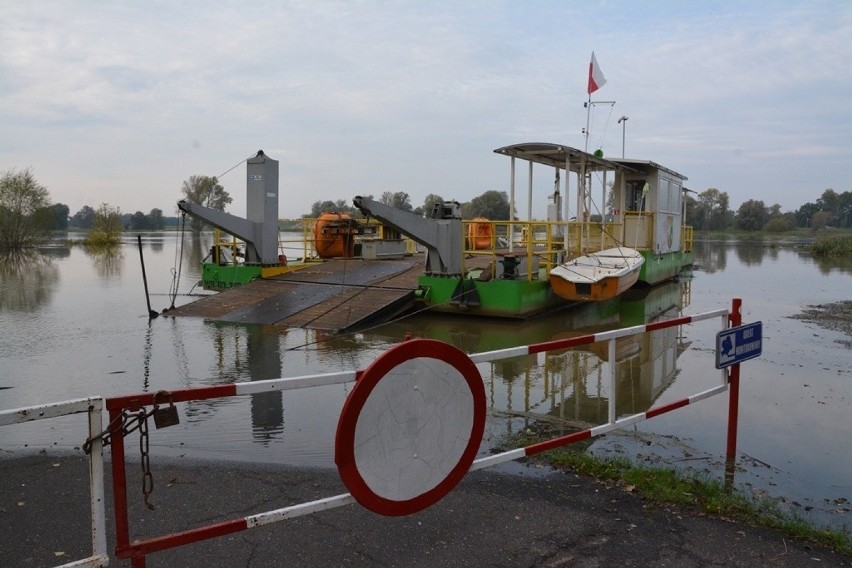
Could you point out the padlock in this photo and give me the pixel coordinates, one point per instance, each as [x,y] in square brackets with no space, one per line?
[165,416]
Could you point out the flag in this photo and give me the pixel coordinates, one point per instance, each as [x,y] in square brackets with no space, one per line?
[596,78]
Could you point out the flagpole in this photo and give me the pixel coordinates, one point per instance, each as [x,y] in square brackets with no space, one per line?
[596,81]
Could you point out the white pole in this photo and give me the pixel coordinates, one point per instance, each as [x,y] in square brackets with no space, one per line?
[512,208]
[529,193]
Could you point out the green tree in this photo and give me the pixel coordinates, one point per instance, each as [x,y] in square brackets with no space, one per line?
[712,212]
[339,206]
[493,205]
[752,215]
[805,213]
[821,219]
[398,199]
[59,217]
[106,228]
[139,222]
[844,210]
[838,206]
[429,204]
[84,218]
[25,214]
[155,220]
[205,191]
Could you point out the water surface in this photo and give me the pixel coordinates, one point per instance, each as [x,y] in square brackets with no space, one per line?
[74,324]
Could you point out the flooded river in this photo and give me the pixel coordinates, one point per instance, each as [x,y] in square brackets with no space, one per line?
[75,324]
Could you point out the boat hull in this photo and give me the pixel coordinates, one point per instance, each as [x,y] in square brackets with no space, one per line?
[597,276]
[603,289]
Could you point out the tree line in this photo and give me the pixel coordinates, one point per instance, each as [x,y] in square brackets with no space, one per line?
[27,216]
[492,205]
[710,211]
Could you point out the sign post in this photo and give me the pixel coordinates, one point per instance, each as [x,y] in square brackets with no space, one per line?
[733,345]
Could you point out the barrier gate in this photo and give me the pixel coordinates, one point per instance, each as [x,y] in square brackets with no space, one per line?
[432,388]
[94,407]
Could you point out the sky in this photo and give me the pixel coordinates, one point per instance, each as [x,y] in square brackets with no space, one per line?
[121,102]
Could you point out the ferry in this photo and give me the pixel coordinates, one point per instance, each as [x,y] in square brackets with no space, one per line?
[480,267]
[521,268]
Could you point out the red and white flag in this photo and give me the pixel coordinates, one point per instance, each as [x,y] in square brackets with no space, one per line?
[596,77]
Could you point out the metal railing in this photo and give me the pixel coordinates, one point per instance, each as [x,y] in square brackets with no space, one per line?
[94,407]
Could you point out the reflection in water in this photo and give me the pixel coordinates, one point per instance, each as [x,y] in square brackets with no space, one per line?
[197,249]
[572,387]
[645,366]
[711,257]
[27,280]
[827,265]
[267,408]
[750,253]
[245,352]
[58,252]
[156,244]
[107,260]
[146,357]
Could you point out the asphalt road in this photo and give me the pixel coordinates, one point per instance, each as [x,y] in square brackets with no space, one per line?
[490,519]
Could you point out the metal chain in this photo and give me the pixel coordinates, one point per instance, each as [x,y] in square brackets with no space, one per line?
[147,476]
[130,422]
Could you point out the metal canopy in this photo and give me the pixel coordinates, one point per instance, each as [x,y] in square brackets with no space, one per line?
[645,165]
[558,156]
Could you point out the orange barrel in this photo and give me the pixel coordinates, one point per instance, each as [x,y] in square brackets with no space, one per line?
[334,235]
[479,233]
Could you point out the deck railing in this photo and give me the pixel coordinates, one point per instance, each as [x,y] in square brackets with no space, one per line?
[542,239]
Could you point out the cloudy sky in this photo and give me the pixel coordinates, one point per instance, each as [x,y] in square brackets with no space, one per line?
[120,102]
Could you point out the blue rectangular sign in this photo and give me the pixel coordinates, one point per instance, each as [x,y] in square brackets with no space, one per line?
[737,344]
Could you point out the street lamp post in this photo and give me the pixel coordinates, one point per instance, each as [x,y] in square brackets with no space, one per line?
[623,122]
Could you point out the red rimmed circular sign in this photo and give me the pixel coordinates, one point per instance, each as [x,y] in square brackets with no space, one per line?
[411,427]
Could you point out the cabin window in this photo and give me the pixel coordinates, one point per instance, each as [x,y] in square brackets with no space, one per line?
[665,195]
[676,197]
[633,198]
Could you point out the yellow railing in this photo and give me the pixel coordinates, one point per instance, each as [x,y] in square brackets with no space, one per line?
[686,235]
[227,242]
[543,240]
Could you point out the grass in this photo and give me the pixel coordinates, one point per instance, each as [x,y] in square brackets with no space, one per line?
[671,487]
[793,236]
[834,246]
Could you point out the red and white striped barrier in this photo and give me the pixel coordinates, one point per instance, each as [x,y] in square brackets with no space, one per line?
[409,365]
[614,424]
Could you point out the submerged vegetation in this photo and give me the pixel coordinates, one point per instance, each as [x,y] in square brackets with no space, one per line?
[662,486]
[106,228]
[834,246]
[25,212]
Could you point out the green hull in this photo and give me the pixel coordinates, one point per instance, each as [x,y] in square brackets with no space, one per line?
[661,267]
[507,298]
[521,298]
[222,277]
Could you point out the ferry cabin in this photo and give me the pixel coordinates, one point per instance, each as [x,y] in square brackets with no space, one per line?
[647,208]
